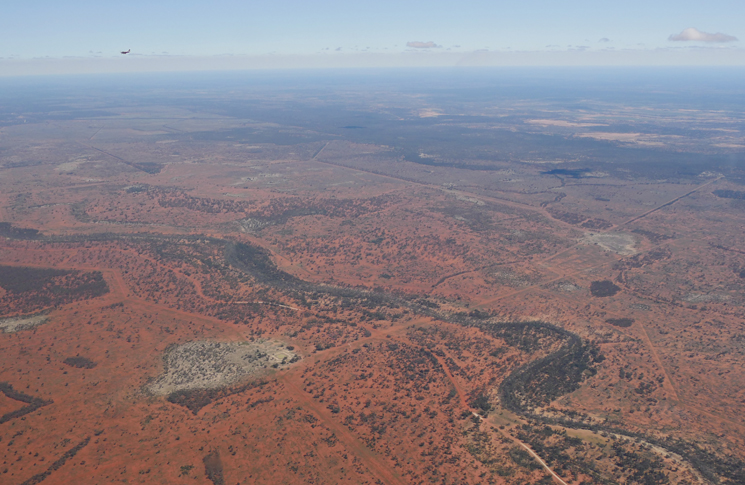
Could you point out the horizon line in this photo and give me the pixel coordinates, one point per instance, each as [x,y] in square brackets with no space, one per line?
[667,57]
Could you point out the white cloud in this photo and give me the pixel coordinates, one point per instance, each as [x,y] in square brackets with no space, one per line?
[422,45]
[695,35]
[604,39]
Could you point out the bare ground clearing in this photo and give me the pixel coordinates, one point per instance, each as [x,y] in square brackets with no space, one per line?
[22,322]
[209,365]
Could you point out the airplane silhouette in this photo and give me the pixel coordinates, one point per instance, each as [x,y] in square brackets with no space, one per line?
[126,52]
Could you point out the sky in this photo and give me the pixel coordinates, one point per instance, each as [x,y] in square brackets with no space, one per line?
[50,36]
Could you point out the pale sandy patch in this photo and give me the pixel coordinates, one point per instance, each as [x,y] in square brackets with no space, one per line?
[430,113]
[23,322]
[563,123]
[626,137]
[70,166]
[618,242]
[209,365]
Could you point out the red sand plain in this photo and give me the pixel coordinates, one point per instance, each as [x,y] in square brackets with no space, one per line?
[381,394]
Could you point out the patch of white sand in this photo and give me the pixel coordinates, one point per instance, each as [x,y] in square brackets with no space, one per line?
[209,365]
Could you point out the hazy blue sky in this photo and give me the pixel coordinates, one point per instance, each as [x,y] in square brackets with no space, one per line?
[304,32]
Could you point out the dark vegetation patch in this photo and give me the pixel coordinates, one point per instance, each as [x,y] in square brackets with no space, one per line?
[170,198]
[603,288]
[522,458]
[597,224]
[528,337]
[562,371]
[282,217]
[29,289]
[79,213]
[480,446]
[256,261]
[635,463]
[620,322]
[568,217]
[39,112]
[57,464]
[481,402]
[547,378]
[10,231]
[23,163]
[725,248]
[21,279]
[283,136]
[656,254]
[148,167]
[274,211]
[560,451]
[558,198]
[730,194]
[646,468]
[709,464]
[476,219]
[479,315]
[427,303]
[196,399]
[652,236]
[574,173]
[641,468]
[639,260]
[213,468]
[33,403]
[136,189]
[79,362]
[579,219]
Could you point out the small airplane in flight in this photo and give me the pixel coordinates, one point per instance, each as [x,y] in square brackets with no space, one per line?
[126,52]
